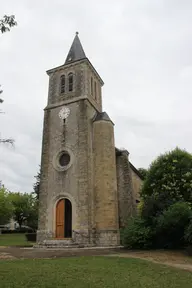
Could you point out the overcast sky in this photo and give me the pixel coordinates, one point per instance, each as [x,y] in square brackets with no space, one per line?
[141,49]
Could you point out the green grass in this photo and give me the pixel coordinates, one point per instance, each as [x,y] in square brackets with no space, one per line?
[91,272]
[14,240]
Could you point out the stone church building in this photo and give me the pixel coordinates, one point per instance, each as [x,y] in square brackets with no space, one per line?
[88,187]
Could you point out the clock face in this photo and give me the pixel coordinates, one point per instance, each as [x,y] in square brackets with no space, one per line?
[64,112]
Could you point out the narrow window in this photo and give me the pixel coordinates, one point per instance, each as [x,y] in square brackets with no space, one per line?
[91,86]
[70,79]
[95,90]
[62,84]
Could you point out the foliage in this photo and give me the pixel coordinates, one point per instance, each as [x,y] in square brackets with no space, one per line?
[32,219]
[137,234]
[143,172]
[188,234]
[17,230]
[36,186]
[165,207]
[7,22]
[170,173]
[171,225]
[6,208]
[154,205]
[24,207]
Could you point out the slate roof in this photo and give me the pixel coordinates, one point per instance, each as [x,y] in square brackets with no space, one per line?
[76,51]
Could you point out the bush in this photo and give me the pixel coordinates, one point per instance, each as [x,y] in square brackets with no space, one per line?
[188,234]
[22,230]
[137,235]
[154,205]
[171,226]
[188,238]
[31,237]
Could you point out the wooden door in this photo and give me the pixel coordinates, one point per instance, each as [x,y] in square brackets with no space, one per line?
[60,218]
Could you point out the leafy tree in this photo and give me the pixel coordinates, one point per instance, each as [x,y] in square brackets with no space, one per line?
[170,173]
[143,172]
[21,207]
[6,207]
[25,209]
[36,185]
[5,24]
[32,219]
[166,205]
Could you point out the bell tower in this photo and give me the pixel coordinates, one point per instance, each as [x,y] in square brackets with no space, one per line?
[75,80]
[71,203]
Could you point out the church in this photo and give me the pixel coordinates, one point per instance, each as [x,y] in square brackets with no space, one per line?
[88,187]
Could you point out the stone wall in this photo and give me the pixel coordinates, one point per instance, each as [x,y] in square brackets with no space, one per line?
[105,184]
[126,199]
[137,184]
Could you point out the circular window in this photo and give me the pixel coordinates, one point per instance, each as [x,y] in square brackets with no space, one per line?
[64,159]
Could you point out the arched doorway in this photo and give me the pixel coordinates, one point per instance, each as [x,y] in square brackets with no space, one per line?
[63,219]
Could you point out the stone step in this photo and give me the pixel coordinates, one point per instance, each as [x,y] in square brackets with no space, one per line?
[53,243]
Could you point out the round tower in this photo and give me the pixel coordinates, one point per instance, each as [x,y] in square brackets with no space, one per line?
[105,182]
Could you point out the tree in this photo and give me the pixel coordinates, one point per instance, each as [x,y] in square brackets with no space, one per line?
[166,210]
[6,207]
[170,173]
[32,219]
[5,24]
[25,209]
[143,172]
[21,207]
[36,185]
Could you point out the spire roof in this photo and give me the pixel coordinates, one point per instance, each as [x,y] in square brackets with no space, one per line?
[76,51]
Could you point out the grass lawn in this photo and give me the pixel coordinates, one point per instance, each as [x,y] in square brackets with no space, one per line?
[14,240]
[91,272]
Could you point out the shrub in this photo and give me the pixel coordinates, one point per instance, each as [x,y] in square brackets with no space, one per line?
[188,238]
[137,235]
[31,237]
[16,231]
[188,234]
[154,205]
[171,226]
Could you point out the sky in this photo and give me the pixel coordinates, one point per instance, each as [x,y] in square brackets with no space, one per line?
[141,49]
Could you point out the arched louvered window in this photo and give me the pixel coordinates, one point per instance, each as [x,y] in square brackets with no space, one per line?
[70,82]
[95,88]
[62,84]
[92,86]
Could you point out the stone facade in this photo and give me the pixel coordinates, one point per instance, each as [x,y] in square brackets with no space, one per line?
[126,199]
[137,182]
[97,180]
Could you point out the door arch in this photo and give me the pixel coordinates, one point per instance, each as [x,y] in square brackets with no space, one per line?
[63,219]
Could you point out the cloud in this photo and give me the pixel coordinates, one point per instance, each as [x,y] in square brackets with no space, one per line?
[142,50]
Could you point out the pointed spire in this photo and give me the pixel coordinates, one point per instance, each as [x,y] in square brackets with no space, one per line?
[76,51]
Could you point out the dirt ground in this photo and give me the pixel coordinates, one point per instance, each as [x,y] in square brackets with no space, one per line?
[170,258]
[37,253]
[177,259]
